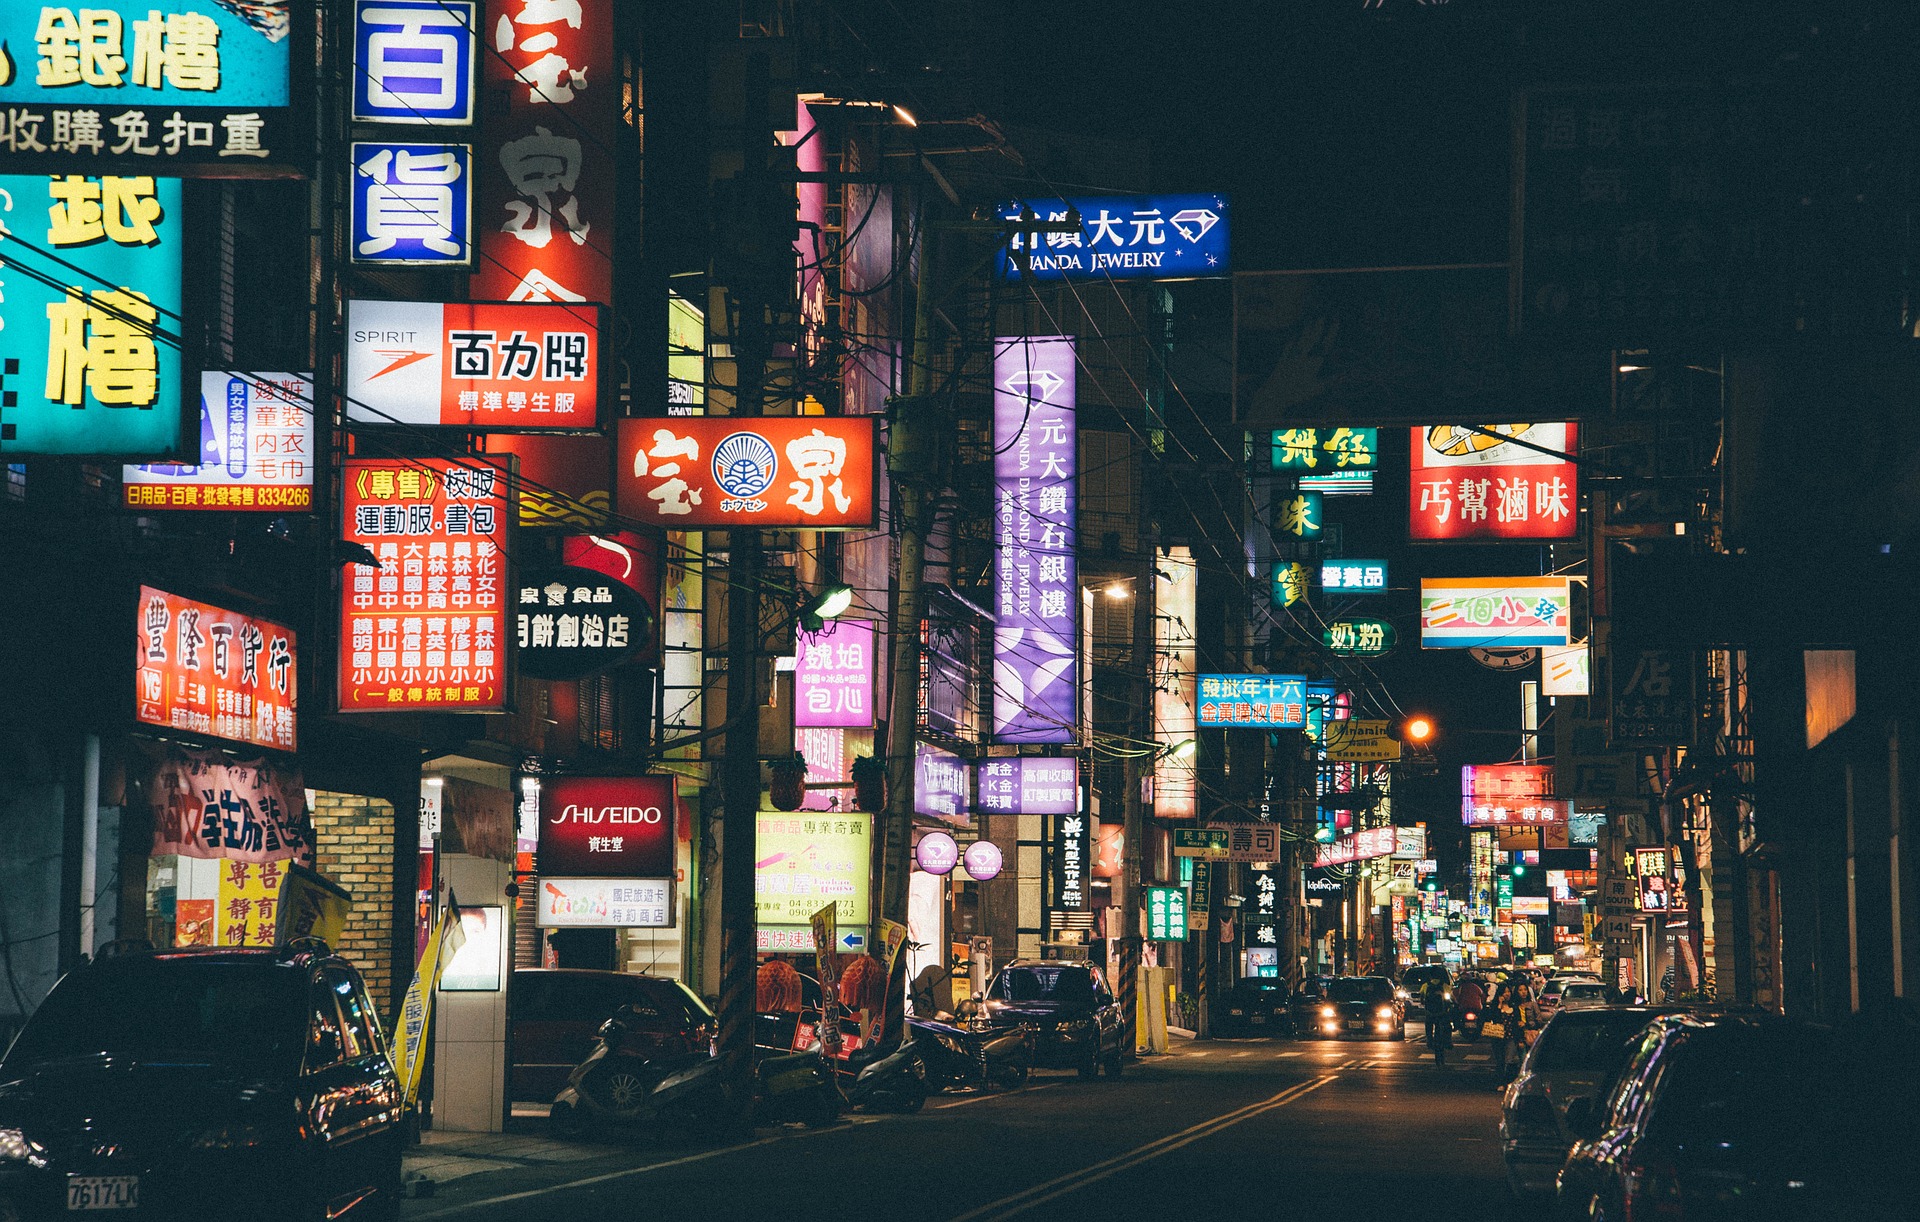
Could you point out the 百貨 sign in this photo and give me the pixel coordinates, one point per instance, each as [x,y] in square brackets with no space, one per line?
[413,62]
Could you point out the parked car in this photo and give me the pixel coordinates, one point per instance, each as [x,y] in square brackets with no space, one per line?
[554,1013]
[1548,995]
[1413,985]
[1746,1116]
[1583,995]
[1077,1024]
[1363,1006]
[1578,1055]
[1303,1007]
[1255,1005]
[205,1083]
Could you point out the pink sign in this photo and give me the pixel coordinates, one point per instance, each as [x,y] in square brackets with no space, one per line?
[833,676]
[937,853]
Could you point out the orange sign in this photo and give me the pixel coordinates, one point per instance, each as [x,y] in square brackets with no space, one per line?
[422,630]
[207,670]
[715,472]
[511,366]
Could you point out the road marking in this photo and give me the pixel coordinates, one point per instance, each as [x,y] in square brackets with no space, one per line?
[1296,1052]
[610,1175]
[1243,1054]
[1073,1181]
[947,1107]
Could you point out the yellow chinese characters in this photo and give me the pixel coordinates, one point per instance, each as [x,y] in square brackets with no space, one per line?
[87,47]
[85,210]
[104,342]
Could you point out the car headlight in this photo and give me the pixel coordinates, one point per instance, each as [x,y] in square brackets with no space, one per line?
[1326,1011]
[1384,1012]
[228,1137]
[1401,994]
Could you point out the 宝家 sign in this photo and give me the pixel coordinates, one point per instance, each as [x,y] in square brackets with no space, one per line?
[1036,605]
[939,784]
[1029,785]
[1359,740]
[715,472]
[208,804]
[1166,914]
[411,204]
[1359,638]
[207,670]
[1354,576]
[1269,701]
[604,903]
[82,370]
[1506,612]
[803,860]
[1469,485]
[423,630]
[513,367]
[545,226]
[833,677]
[607,827]
[413,61]
[572,622]
[1506,812]
[256,450]
[1072,862]
[1152,237]
[167,86]
[1323,451]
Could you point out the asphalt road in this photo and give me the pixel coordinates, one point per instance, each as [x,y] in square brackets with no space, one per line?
[1222,1129]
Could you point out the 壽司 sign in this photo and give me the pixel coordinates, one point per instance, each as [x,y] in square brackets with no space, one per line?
[572,622]
[1144,237]
[607,827]
[1265,701]
[506,366]
[413,61]
[194,86]
[207,670]
[84,367]
[715,472]
[1507,482]
[1495,612]
[256,450]
[422,630]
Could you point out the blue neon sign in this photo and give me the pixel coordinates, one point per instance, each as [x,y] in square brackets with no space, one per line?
[414,61]
[1126,237]
[412,203]
[1354,576]
[1264,701]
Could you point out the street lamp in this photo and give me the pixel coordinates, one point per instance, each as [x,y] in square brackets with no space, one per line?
[830,603]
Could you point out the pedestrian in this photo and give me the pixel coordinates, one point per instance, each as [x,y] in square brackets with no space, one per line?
[1511,1006]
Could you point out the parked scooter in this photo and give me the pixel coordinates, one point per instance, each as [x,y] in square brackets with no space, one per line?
[973,1055]
[624,1087]
[892,1081]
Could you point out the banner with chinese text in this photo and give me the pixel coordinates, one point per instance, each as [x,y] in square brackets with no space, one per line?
[1470,485]
[256,450]
[207,670]
[423,630]
[833,676]
[206,804]
[1494,612]
[715,472]
[1036,568]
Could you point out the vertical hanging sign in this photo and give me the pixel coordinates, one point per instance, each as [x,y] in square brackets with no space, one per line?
[1036,573]
[545,221]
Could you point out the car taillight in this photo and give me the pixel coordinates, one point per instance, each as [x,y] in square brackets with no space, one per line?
[1653,1191]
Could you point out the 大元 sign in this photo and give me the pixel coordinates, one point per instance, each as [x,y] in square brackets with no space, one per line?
[715,472]
[256,450]
[1150,237]
[191,86]
[1270,701]
[1470,485]
[607,827]
[475,365]
[423,629]
[89,354]
[570,622]
[207,670]
[1036,568]
[1506,612]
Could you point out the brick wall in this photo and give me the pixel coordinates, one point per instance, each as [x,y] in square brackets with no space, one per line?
[355,850]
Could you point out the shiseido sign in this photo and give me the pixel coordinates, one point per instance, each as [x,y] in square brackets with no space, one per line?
[607,827]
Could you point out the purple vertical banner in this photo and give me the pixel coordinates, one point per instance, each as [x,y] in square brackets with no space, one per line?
[1036,570]
[833,676]
[940,785]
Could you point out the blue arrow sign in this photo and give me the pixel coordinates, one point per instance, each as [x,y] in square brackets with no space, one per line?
[853,941]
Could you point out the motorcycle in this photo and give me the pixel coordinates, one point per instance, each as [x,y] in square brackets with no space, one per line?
[1470,1021]
[621,1086]
[975,1055]
[892,1081]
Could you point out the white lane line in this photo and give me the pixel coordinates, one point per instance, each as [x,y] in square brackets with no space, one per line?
[1296,1052]
[1073,1181]
[610,1175]
[947,1107]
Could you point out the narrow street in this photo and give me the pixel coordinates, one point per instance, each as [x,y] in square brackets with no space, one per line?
[1216,1129]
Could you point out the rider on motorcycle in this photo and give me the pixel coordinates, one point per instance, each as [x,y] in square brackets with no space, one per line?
[1439,1009]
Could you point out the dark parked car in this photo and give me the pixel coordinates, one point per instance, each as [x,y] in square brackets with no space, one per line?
[1077,1024]
[1743,1116]
[1413,985]
[203,1084]
[1364,1006]
[1255,1005]
[554,1014]
[1303,1007]
[1579,1055]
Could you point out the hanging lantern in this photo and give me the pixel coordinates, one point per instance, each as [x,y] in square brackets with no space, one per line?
[787,781]
[870,784]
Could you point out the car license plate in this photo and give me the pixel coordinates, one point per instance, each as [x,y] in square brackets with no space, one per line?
[1357,1024]
[1258,1018]
[103,1192]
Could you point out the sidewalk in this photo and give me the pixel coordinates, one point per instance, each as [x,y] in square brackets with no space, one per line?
[442,1157]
